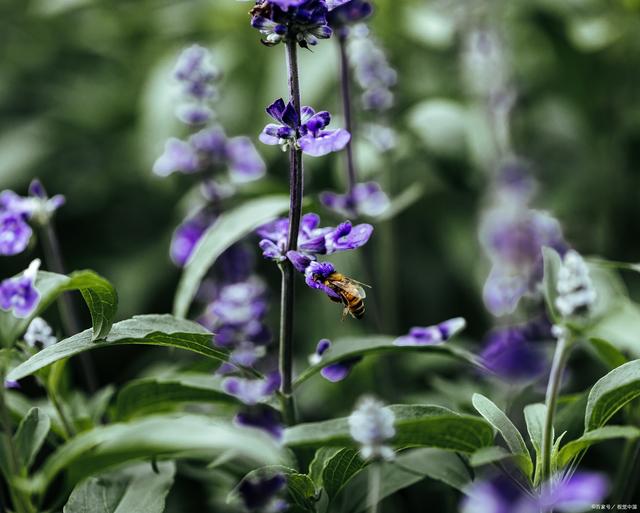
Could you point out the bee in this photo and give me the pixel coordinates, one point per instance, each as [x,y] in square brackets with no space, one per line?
[350,293]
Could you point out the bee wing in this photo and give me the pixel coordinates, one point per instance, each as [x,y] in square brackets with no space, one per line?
[347,285]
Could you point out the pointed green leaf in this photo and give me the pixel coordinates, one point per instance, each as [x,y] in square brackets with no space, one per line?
[137,488]
[194,436]
[534,415]
[351,347]
[416,425]
[229,228]
[98,294]
[612,392]
[30,436]
[602,434]
[320,459]
[158,330]
[496,417]
[339,469]
[148,395]
[610,355]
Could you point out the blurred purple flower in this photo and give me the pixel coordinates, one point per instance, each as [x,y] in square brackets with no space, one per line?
[196,73]
[349,12]
[186,236]
[336,371]
[178,156]
[260,494]
[309,132]
[245,163]
[252,391]
[501,495]
[19,294]
[8,383]
[15,234]
[262,417]
[432,335]
[514,353]
[366,199]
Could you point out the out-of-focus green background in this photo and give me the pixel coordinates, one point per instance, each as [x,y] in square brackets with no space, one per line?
[87,100]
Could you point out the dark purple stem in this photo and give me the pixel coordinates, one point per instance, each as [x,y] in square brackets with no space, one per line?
[345,81]
[288,278]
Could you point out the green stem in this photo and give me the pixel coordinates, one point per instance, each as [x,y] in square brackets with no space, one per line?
[553,389]
[625,478]
[67,427]
[375,482]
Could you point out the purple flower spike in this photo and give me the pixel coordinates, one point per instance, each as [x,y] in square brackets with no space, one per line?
[262,417]
[15,234]
[19,294]
[178,156]
[260,494]
[432,335]
[196,73]
[252,391]
[346,237]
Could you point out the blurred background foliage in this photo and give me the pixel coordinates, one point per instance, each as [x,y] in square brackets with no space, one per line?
[87,101]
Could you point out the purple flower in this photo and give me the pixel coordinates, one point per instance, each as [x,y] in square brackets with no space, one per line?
[262,417]
[19,294]
[336,371]
[500,495]
[245,163]
[196,73]
[304,21]
[178,156]
[346,237]
[187,235]
[432,335]
[15,234]
[514,353]
[259,494]
[308,132]
[315,276]
[252,391]
[8,383]
[349,12]
[366,199]
[194,114]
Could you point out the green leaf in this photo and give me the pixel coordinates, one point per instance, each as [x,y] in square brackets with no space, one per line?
[408,468]
[158,330]
[534,415]
[340,469]
[137,488]
[570,450]
[496,417]
[552,264]
[30,436]
[230,227]
[149,395]
[402,201]
[320,459]
[98,294]
[612,392]
[378,344]
[416,425]
[610,355]
[194,436]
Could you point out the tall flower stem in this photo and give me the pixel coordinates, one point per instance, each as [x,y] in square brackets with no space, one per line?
[627,476]
[553,389]
[68,313]
[374,485]
[288,282]
[345,82]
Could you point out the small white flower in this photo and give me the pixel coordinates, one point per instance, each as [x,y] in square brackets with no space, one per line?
[371,424]
[39,334]
[575,289]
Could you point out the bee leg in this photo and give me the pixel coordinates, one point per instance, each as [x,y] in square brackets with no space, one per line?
[345,312]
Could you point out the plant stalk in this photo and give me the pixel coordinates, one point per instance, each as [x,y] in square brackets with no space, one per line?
[553,389]
[626,476]
[375,483]
[345,83]
[288,278]
[68,313]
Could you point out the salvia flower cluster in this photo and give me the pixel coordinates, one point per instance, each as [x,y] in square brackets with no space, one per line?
[19,294]
[372,426]
[17,211]
[513,236]
[307,132]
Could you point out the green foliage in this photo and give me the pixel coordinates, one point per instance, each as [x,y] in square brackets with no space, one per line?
[30,436]
[416,425]
[229,228]
[158,330]
[496,417]
[612,392]
[352,347]
[534,415]
[98,294]
[139,488]
[570,450]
